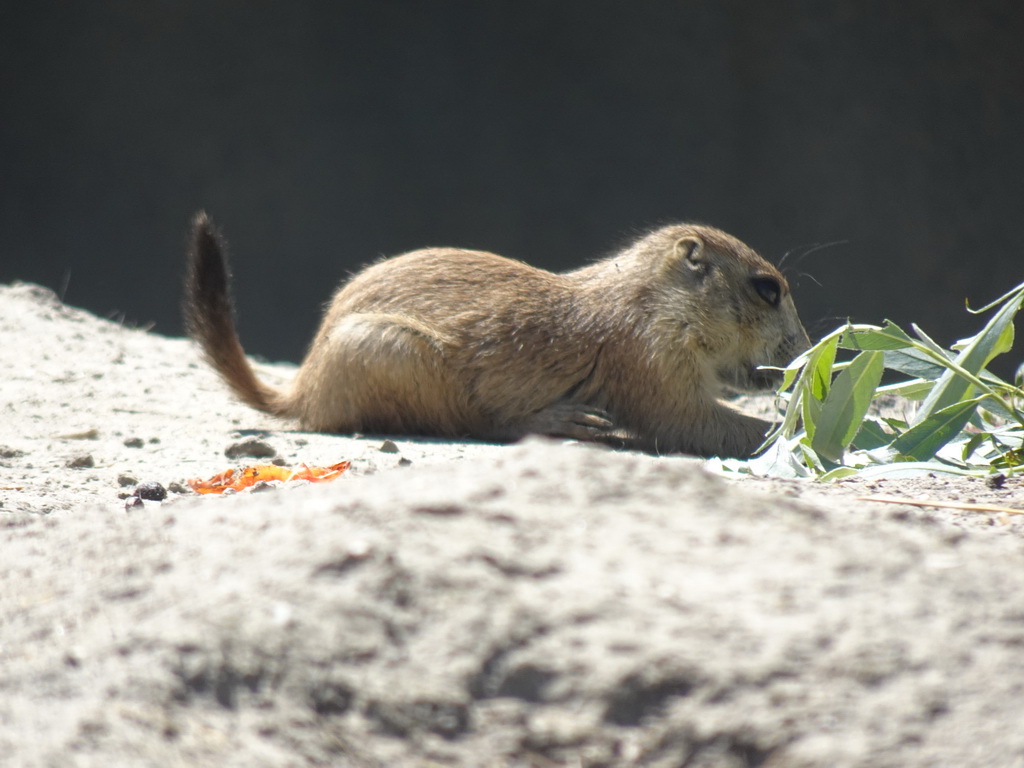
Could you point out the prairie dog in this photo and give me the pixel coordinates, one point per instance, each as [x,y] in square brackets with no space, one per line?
[636,348]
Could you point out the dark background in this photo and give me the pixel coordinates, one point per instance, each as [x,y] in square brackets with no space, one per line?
[322,134]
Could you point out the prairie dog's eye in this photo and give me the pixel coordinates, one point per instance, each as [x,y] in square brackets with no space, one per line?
[768,288]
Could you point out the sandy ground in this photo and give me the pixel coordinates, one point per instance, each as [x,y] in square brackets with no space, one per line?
[466,604]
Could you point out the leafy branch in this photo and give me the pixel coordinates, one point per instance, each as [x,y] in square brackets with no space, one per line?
[968,420]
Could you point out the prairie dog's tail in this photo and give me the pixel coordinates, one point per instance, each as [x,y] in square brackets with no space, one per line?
[209,319]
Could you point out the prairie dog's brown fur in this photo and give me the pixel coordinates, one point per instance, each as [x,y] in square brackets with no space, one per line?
[466,344]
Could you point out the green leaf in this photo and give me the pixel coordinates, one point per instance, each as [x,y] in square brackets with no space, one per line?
[972,445]
[997,409]
[929,342]
[814,382]
[915,389]
[810,409]
[838,474]
[791,371]
[812,459]
[890,336]
[1009,294]
[806,363]
[821,369]
[1009,460]
[870,436]
[898,424]
[994,339]
[923,440]
[780,460]
[846,405]
[997,383]
[916,469]
[915,363]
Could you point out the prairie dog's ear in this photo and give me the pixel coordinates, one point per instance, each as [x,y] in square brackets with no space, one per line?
[687,252]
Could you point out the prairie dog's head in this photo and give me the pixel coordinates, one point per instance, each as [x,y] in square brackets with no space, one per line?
[729,306]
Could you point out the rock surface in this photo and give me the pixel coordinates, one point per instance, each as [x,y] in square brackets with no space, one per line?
[532,605]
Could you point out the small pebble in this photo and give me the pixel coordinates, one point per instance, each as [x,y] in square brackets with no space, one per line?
[124,480]
[251,446]
[134,442]
[996,481]
[388,446]
[151,491]
[177,487]
[82,461]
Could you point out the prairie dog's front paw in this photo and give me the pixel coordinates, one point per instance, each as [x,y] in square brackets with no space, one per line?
[573,420]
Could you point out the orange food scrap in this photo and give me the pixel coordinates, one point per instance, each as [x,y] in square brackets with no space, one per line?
[239,479]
